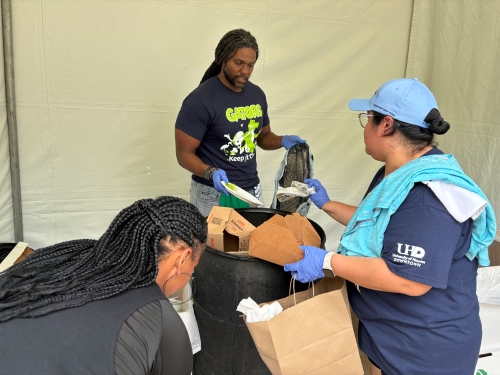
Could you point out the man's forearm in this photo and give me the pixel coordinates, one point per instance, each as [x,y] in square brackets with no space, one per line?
[269,141]
[192,163]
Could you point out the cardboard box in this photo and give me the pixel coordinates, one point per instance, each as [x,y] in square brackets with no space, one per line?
[228,231]
[277,240]
[18,254]
[302,229]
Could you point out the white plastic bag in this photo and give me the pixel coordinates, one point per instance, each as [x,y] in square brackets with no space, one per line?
[488,294]
[186,312]
[189,320]
[488,285]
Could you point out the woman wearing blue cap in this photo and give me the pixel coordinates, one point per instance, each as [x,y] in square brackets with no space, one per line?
[411,250]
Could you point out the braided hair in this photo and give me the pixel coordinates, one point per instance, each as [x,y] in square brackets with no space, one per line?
[125,257]
[227,47]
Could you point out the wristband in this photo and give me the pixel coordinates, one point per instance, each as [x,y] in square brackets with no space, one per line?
[211,173]
[206,173]
[327,265]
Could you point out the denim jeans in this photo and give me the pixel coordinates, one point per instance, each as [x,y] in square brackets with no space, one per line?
[205,197]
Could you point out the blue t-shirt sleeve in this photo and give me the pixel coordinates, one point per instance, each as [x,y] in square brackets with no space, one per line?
[193,118]
[265,119]
[419,244]
[265,116]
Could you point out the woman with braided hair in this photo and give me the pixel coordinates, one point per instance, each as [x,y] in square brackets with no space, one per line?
[100,306]
[222,121]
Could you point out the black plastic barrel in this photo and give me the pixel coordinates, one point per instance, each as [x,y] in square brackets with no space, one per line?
[222,281]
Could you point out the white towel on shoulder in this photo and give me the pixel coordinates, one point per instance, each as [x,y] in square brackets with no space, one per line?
[461,203]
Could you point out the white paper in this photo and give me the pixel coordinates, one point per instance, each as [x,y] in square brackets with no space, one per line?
[247,305]
[255,313]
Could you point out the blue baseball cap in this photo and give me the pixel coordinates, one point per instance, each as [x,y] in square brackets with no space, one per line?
[404,99]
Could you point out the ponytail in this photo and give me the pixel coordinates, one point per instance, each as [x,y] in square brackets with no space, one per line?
[212,71]
[437,124]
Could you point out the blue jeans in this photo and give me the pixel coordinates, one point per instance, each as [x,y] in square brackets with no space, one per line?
[205,197]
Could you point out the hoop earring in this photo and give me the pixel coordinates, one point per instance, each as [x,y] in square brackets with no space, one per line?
[165,283]
[190,282]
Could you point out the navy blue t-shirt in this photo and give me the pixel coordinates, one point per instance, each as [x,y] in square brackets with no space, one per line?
[440,331]
[227,124]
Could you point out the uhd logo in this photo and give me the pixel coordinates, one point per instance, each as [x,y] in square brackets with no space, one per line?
[410,250]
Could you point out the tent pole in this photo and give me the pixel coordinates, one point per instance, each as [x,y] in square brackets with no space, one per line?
[11,119]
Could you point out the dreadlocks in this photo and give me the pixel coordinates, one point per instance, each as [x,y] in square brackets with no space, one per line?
[227,47]
[125,257]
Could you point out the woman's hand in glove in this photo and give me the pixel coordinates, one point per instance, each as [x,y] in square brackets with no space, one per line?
[321,196]
[288,141]
[310,268]
[218,176]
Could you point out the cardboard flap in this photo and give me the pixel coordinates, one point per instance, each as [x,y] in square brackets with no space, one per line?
[218,218]
[228,230]
[278,220]
[237,224]
[303,230]
[275,244]
[17,254]
[237,242]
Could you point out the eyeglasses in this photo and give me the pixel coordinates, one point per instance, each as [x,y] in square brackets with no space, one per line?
[364,118]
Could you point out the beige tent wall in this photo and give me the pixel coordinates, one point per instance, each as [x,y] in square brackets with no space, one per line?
[99,84]
[6,214]
[454,49]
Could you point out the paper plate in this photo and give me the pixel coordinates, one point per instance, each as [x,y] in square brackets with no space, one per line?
[244,195]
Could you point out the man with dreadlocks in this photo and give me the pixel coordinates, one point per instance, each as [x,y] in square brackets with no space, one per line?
[222,121]
[100,307]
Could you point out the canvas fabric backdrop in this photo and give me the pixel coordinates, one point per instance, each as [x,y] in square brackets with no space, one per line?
[99,85]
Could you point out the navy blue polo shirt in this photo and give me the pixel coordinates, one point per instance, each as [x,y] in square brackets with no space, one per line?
[440,331]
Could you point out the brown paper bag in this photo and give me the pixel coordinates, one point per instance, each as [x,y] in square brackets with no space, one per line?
[313,335]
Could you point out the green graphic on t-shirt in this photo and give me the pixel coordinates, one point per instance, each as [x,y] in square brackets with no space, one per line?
[243,113]
[242,142]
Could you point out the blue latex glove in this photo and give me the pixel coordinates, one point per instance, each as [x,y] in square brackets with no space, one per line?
[288,141]
[310,268]
[218,176]
[321,196]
